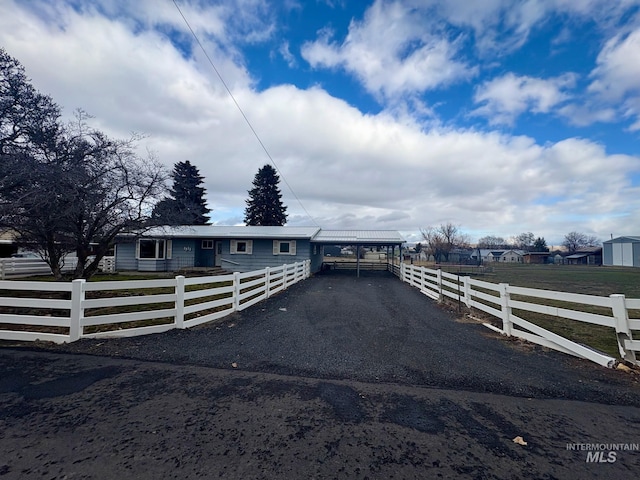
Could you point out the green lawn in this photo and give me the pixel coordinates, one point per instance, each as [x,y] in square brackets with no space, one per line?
[588,280]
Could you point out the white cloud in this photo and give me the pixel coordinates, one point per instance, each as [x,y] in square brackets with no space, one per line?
[587,112]
[286,54]
[615,78]
[503,26]
[395,50]
[618,67]
[503,99]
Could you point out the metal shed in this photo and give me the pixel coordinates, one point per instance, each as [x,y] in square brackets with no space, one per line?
[621,252]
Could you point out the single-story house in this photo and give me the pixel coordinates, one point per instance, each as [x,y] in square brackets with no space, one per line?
[510,256]
[237,248]
[621,251]
[585,256]
[486,255]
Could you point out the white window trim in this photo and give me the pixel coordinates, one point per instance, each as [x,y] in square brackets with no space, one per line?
[292,247]
[166,249]
[207,241]
[233,247]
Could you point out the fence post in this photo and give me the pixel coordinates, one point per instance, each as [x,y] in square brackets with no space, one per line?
[439,280]
[285,273]
[507,324]
[77,312]
[623,331]
[236,291]
[466,287]
[179,320]
[267,281]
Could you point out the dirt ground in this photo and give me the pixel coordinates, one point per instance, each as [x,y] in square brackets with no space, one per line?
[335,378]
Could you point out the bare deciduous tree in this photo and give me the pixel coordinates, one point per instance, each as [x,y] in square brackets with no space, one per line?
[524,241]
[491,241]
[441,240]
[67,188]
[573,241]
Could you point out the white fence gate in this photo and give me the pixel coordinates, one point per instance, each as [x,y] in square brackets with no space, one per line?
[495,299]
[100,309]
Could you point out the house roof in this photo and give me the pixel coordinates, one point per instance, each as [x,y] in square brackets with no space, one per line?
[362,237]
[315,234]
[510,252]
[578,255]
[232,231]
[625,239]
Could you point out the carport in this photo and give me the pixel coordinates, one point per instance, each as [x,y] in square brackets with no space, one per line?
[362,238]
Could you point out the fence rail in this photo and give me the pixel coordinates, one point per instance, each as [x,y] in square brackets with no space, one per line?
[24,267]
[354,265]
[496,300]
[70,311]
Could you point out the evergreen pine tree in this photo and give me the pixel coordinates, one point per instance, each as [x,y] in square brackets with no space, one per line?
[264,205]
[186,204]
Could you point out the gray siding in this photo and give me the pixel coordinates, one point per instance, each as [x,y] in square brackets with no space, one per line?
[188,252]
[183,252]
[151,265]
[317,256]
[607,254]
[126,257]
[262,256]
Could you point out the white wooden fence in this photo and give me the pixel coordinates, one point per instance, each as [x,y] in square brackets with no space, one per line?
[24,267]
[101,309]
[495,299]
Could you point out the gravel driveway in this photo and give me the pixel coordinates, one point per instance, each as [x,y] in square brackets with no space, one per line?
[337,377]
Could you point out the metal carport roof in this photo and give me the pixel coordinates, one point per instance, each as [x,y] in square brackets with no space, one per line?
[359,237]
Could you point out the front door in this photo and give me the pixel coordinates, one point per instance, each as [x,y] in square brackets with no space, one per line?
[218,254]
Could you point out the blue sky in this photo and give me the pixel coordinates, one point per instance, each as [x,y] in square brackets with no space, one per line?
[499,116]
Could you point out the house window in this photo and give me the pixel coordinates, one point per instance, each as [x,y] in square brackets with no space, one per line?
[284,247]
[241,247]
[150,249]
[207,244]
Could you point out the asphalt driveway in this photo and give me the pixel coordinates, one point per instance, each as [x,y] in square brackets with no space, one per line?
[337,377]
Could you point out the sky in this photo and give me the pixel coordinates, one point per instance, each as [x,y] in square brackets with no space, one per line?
[497,116]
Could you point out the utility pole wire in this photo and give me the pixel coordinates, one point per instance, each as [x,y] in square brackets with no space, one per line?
[255,134]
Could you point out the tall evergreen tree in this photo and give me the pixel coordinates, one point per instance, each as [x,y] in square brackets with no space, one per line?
[264,205]
[186,204]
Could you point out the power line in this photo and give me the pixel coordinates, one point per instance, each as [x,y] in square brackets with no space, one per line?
[255,134]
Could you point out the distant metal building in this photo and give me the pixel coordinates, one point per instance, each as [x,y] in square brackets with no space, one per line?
[621,252]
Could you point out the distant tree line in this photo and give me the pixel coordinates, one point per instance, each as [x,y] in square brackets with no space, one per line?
[440,241]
